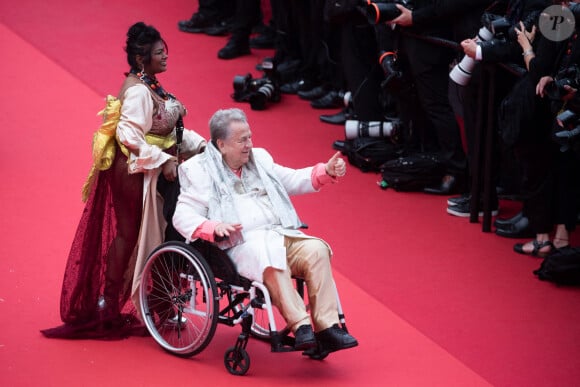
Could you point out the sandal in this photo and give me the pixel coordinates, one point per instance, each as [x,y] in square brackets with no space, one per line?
[537,246]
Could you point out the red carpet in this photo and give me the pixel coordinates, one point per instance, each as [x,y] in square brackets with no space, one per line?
[432,299]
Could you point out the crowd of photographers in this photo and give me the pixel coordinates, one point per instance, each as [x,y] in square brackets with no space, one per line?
[433,70]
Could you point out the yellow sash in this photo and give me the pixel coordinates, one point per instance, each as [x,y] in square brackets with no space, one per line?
[104,142]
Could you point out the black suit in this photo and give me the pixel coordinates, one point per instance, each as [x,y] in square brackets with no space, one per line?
[428,65]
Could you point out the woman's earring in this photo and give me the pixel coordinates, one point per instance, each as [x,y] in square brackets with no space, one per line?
[143,75]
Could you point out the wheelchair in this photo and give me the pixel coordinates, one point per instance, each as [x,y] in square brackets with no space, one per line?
[187,289]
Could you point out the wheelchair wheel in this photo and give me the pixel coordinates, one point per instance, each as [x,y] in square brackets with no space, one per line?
[261,324]
[237,361]
[179,299]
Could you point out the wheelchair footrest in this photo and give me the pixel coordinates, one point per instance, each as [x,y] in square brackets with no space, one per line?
[281,343]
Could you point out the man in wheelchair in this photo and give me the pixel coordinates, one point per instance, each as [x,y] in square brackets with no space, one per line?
[238,198]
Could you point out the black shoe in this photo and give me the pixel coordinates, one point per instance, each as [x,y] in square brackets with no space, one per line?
[296,86]
[449,185]
[508,223]
[288,66]
[220,28]
[198,23]
[304,338]
[334,339]
[234,49]
[463,210]
[314,93]
[335,119]
[459,200]
[264,41]
[333,99]
[519,229]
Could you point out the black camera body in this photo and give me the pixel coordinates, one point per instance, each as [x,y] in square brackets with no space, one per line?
[258,91]
[569,76]
[499,26]
[381,11]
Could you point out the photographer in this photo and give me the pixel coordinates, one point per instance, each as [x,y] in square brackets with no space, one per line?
[466,16]
[551,173]
[502,48]
[428,66]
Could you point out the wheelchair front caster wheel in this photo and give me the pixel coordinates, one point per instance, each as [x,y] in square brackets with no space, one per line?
[237,361]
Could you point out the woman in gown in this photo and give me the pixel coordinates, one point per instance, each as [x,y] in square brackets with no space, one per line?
[122,220]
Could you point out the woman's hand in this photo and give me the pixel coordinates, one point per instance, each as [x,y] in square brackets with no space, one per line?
[542,84]
[169,169]
[525,38]
[336,167]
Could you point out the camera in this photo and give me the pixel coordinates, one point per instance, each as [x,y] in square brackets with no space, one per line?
[569,76]
[393,75]
[499,26]
[391,129]
[493,26]
[257,91]
[380,11]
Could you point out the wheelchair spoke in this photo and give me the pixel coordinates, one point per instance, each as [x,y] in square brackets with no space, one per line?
[178,299]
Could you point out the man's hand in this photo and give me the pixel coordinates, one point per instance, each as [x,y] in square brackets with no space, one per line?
[469,47]
[405,19]
[223,230]
[336,167]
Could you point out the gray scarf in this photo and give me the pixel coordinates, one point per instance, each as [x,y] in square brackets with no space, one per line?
[221,203]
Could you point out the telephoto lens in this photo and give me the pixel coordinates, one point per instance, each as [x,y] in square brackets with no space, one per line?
[382,12]
[569,133]
[567,119]
[462,71]
[355,128]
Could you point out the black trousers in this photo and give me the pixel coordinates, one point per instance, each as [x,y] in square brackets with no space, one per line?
[219,9]
[428,65]
[248,14]
[362,73]
[303,34]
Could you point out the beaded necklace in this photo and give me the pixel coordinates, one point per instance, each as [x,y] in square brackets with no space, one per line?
[153,83]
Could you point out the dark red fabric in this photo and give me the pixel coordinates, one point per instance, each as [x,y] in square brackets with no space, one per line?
[98,263]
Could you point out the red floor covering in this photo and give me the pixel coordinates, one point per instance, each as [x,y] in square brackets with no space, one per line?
[432,299]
